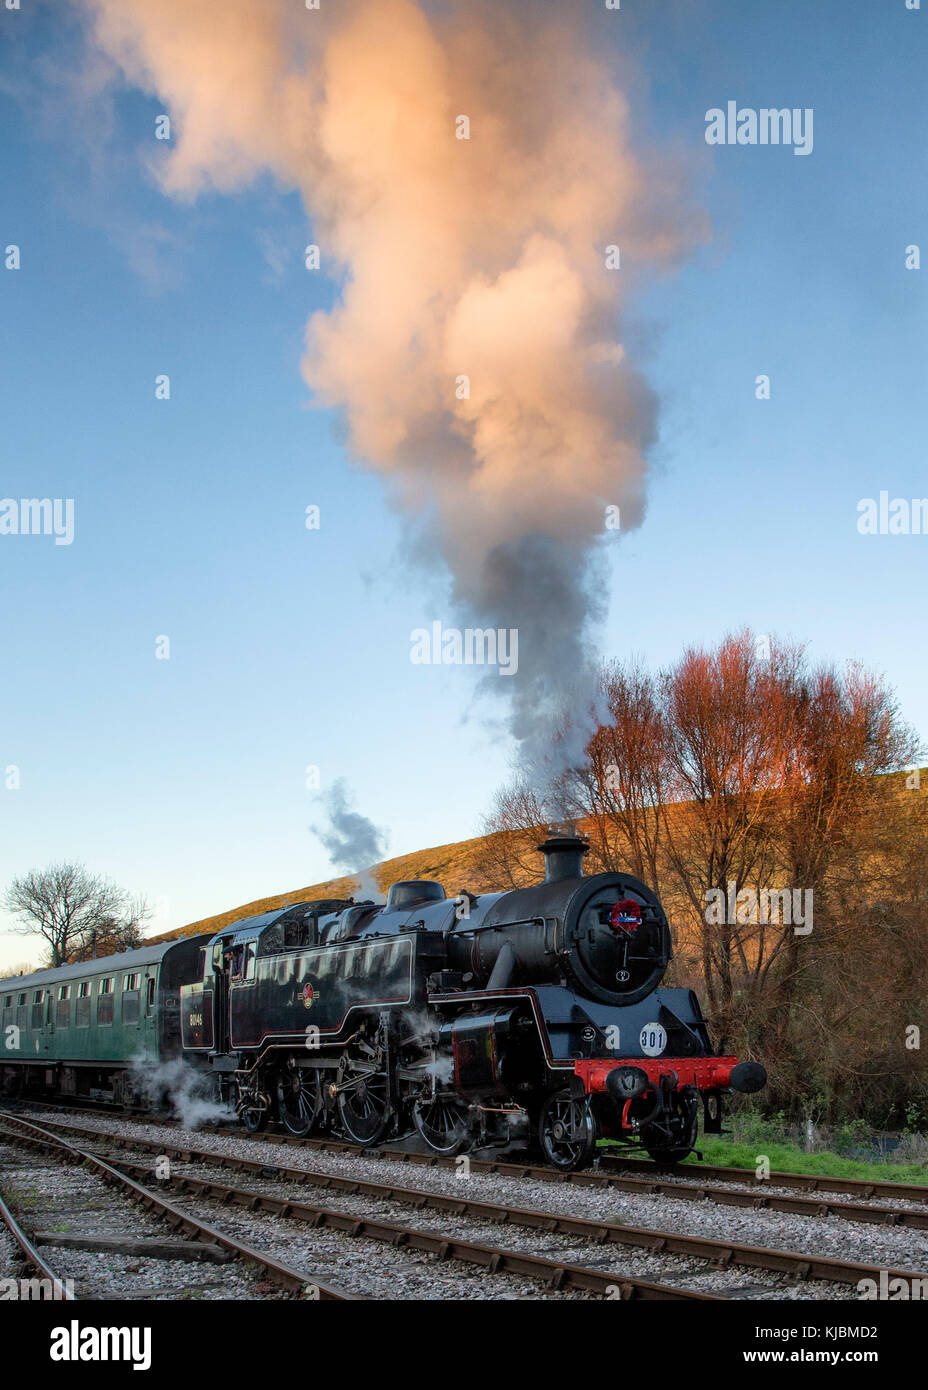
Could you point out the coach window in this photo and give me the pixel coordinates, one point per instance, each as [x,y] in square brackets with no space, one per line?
[130,998]
[82,1011]
[105,1002]
[8,1001]
[150,994]
[63,1016]
[38,1008]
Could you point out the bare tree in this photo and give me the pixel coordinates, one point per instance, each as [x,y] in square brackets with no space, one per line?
[847,731]
[514,827]
[744,776]
[727,732]
[22,967]
[620,790]
[79,914]
[849,833]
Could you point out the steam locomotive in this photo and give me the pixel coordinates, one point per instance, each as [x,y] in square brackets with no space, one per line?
[531,1018]
[527,1019]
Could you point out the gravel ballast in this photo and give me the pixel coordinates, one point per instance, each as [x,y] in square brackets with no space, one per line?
[834,1237]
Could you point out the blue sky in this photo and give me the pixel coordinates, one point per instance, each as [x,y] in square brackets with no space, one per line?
[185,779]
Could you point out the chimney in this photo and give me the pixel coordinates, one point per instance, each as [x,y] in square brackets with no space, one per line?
[563,851]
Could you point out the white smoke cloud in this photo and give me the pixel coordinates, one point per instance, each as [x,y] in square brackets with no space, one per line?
[189,1093]
[481,258]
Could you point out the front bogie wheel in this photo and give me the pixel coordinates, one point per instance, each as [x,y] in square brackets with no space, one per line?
[666,1159]
[680,1133]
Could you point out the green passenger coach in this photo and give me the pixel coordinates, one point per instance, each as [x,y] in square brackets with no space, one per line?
[78,1029]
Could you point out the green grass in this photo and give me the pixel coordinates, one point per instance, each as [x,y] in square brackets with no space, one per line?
[24,1198]
[788,1158]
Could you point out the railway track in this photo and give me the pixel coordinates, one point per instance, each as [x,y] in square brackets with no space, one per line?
[800,1182]
[622,1174]
[596,1233]
[688,1184]
[555,1275]
[58,1288]
[293,1280]
[653,1185]
[685,1186]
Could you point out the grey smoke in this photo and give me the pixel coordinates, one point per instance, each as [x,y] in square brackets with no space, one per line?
[553,592]
[353,842]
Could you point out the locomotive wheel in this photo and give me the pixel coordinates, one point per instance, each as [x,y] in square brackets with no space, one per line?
[567,1131]
[665,1159]
[686,1127]
[442,1123]
[364,1104]
[250,1107]
[299,1100]
[253,1117]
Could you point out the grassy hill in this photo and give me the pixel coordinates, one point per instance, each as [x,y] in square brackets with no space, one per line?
[472,864]
[456,866]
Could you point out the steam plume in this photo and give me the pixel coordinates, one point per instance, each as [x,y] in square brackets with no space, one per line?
[480,257]
[189,1093]
[352,841]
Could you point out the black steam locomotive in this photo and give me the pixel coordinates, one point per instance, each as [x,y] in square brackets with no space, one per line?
[512,1019]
